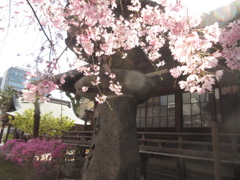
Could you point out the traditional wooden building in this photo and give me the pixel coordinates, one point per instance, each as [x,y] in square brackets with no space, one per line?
[55,106]
[185,135]
[177,139]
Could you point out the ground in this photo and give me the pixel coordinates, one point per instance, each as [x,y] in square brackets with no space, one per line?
[11,171]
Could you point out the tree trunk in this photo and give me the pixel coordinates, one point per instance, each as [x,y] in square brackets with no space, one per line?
[114,151]
[36,122]
[1,133]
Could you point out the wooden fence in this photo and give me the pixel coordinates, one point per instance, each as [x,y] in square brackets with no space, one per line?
[196,146]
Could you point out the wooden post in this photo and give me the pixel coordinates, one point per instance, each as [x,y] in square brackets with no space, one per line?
[215,138]
[8,130]
[181,162]
[22,134]
[15,134]
[182,168]
[143,174]
[144,159]
[1,134]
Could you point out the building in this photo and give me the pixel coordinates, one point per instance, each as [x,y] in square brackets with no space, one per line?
[58,108]
[182,135]
[175,132]
[0,82]
[14,77]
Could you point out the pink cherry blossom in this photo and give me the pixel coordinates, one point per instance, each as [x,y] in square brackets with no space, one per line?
[62,80]
[116,88]
[176,72]
[100,32]
[218,74]
[207,81]
[229,40]
[100,98]
[84,88]
[112,76]
[212,33]
[96,82]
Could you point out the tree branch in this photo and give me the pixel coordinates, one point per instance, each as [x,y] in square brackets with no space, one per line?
[39,22]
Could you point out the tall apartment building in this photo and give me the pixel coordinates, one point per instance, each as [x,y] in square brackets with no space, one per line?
[14,77]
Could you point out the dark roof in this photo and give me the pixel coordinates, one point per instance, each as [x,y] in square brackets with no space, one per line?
[70,80]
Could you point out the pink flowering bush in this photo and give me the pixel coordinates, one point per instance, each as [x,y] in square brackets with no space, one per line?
[38,153]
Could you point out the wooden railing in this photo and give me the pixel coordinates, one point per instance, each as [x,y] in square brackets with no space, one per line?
[184,145]
[190,145]
[82,138]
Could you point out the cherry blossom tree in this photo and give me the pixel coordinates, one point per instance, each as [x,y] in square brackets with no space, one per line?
[99,29]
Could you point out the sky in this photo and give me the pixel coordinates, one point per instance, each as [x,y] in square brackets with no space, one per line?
[20,45]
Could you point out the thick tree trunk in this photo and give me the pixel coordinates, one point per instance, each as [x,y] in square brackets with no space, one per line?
[114,150]
[36,122]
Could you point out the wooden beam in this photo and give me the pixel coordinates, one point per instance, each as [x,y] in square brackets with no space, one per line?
[157,73]
[143,170]
[215,138]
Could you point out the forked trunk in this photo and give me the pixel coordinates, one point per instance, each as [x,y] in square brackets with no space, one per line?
[114,151]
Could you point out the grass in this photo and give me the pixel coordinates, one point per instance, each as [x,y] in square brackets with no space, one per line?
[11,171]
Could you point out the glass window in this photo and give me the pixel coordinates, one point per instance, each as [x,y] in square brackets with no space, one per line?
[163,110]
[163,122]
[163,100]
[141,115]
[196,109]
[149,122]
[156,122]
[142,122]
[171,99]
[186,98]
[158,111]
[230,97]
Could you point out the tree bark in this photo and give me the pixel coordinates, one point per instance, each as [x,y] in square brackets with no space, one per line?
[114,151]
[36,122]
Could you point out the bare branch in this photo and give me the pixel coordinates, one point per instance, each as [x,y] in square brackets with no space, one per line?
[39,22]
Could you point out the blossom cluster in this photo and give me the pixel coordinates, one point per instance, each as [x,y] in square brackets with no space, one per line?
[229,40]
[99,31]
[37,90]
[115,87]
[94,70]
[38,153]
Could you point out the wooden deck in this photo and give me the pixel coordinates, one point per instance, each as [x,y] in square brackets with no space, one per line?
[185,148]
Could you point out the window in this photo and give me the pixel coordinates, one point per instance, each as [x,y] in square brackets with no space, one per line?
[157,112]
[140,118]
[196,109]
[231,105]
